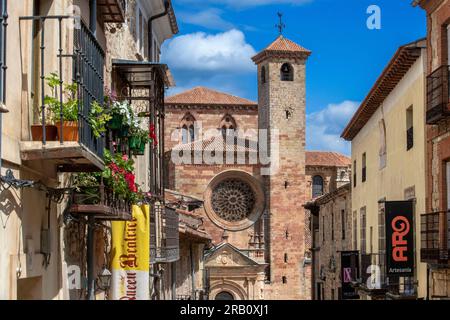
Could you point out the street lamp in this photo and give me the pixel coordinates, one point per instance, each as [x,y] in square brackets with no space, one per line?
[104,279]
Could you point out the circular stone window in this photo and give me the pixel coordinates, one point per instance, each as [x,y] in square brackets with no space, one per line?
[234,200]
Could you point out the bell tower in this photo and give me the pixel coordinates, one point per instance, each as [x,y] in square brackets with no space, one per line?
[281,100]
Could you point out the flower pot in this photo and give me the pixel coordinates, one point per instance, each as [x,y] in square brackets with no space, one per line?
[51,132]
[123,131]
[140,151]
[116,122]
[134,142]
[69,130]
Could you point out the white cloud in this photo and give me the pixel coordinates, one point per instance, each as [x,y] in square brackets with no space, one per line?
[251,3]
[226,52]
[324,127]
[209,18]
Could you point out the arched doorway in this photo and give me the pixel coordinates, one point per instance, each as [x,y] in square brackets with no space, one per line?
[224,295]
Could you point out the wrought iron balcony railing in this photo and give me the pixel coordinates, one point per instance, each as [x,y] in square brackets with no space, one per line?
[78,64]
[438,93]
[164,234]
[435,237]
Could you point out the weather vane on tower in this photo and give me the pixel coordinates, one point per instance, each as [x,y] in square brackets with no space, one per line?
[280,26]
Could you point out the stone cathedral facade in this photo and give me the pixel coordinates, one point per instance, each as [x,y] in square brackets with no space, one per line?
[260,235]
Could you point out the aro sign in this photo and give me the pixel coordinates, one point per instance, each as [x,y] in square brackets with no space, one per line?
[399,238]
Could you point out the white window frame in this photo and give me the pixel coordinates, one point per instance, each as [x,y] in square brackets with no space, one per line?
[140,30]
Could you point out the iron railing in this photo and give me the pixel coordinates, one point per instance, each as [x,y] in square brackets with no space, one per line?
[435,237]
[438,93]
[164,235]
[87,61]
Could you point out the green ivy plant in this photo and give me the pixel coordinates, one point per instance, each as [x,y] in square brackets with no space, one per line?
[98,118]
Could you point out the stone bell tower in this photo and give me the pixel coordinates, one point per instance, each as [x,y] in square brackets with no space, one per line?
[281,92]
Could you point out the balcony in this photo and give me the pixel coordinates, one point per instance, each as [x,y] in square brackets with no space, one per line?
[435,237]
[164,234]
[102,205]
[438,93]
[111,11]
[78,81]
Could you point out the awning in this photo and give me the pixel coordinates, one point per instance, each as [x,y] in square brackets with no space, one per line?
[141,74]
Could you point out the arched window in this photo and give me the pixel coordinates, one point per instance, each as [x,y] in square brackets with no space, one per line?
[228,125]
[184,135]
[188,128]
[317,186]
[263,74]
[192,132]
[224,295]
[287,72]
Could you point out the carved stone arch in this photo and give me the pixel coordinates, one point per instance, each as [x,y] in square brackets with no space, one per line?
[187,126]
[287,72]
[230,287]
[227,123]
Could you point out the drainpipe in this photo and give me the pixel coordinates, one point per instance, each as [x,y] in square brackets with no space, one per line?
[192,272]
[93,16]
[91,220]
[150,27]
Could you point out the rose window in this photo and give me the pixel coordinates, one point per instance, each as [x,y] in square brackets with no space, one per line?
[233,200]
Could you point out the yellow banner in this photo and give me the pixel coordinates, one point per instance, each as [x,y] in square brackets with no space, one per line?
[131,256]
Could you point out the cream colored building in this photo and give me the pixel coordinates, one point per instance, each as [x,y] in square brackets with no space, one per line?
[388,163]
[44,249]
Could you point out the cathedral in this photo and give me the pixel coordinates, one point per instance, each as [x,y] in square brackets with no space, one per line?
[260,233]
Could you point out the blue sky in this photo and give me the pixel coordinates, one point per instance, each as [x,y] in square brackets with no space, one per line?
[218,37]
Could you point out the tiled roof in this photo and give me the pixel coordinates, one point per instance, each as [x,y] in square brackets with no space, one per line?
[206,96]
[282,48]
[326,159]
[283,44]
[394,72]
[218,143]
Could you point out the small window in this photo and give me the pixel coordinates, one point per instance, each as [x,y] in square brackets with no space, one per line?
[354,174]
[284,280]
[285,258]
[362,230]
[287,72]
[332,226]
[409,129]
[364,167]
[343,224]
[317,187]
[263,74]
[184,133]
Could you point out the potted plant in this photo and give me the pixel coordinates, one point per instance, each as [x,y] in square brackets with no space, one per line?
[118,181]
[121,118]
[69,108]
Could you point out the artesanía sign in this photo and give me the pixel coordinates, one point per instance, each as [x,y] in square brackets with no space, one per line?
[349,273]
[131,256]
[399,238]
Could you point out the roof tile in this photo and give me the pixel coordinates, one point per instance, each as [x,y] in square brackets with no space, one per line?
[206,96]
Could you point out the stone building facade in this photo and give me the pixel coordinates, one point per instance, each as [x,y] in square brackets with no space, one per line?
[388,164]
[435,251]
[260,244]
[331,225]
